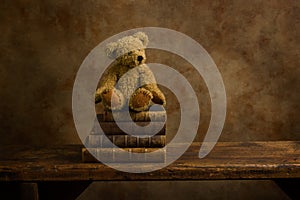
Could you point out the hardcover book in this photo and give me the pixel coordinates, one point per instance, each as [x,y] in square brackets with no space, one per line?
[144,116]
[127,155]
[126,141]
[111,128]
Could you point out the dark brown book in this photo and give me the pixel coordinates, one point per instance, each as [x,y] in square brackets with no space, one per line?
[111,128]
[126,141]
[158,116]
[127,155]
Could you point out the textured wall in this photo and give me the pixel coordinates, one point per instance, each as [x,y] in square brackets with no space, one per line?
[255,44]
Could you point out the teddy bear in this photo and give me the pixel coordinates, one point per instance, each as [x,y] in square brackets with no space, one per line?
[128,83]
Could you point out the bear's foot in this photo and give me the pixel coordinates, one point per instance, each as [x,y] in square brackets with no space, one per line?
[158,98]
[98,97]
[112,99]
[140,100]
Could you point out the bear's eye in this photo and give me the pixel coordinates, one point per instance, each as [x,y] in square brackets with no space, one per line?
[130,53]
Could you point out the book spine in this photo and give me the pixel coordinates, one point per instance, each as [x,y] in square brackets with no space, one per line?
[137,117]
[126,141]
[111,128]
[127,155]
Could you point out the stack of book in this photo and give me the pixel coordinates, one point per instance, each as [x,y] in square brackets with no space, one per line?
[141,138]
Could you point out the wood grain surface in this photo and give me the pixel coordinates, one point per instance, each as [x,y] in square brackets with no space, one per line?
[228,160]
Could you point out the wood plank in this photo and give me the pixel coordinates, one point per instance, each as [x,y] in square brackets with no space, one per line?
[228,160]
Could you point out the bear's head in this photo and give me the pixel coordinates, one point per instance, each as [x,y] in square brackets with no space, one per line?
[129,50]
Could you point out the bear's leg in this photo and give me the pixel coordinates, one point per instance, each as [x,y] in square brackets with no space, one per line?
[98,97]
[112,99]
[140,100]
[158,98]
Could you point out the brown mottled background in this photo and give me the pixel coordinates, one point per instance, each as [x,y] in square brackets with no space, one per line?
[255,44]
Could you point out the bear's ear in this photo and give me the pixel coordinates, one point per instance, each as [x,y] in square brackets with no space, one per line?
[143,37]
[111,50]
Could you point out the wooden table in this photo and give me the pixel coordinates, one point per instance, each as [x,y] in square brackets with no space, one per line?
[228,160]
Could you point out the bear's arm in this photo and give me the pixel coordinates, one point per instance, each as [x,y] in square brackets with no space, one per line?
[107,82]
[147,81]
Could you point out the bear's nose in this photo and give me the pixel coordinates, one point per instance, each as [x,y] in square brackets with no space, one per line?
[140,58]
